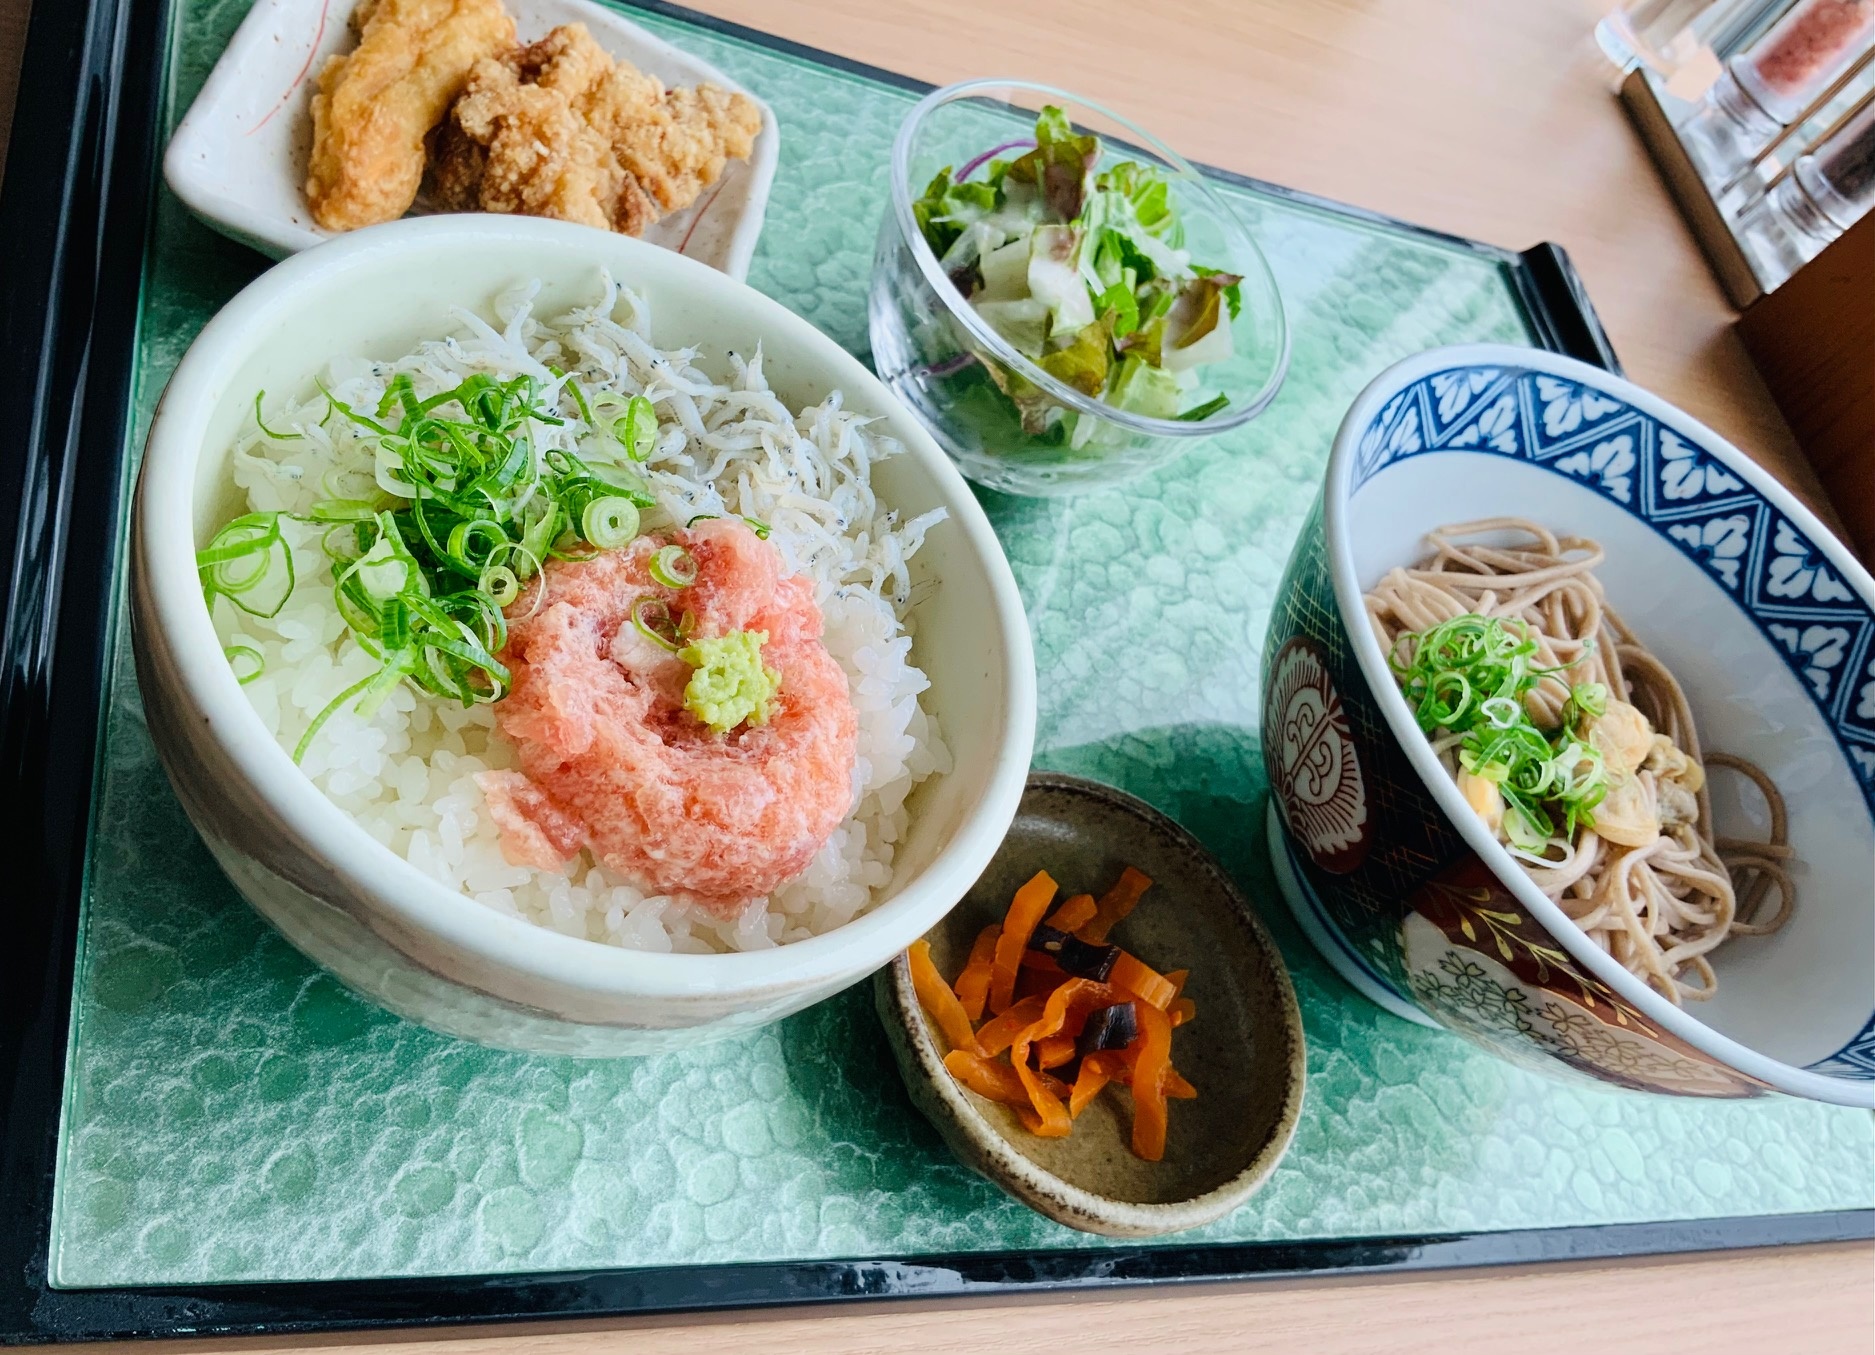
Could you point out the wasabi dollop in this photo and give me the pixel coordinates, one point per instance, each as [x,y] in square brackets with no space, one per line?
[731,684]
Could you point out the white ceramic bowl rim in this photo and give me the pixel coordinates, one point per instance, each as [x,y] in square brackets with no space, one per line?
[1235,416]
[166,516]
[1675,1020]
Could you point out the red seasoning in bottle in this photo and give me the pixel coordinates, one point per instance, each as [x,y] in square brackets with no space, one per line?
[1807,48]
[1764,88]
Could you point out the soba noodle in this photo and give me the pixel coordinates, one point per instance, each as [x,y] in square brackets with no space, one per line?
[1661,907]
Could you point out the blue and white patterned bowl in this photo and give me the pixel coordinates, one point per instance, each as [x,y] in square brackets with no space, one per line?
[1767,621]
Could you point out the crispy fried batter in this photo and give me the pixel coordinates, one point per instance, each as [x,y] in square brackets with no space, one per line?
[681,150]
[516,147]
[375,104]
[560,129]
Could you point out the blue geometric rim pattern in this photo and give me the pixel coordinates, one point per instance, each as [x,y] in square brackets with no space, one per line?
[1822,629]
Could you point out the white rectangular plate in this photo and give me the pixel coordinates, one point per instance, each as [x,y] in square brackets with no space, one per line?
[238,160]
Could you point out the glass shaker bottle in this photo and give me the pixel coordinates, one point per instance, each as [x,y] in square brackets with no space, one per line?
[1652,33]
[1770,83]
[1823,194]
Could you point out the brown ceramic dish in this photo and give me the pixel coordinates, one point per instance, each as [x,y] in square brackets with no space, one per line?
[1243,1052]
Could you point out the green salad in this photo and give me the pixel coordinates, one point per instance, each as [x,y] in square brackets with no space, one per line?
[1085,273]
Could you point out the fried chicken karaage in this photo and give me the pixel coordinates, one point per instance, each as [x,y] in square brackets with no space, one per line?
[375,104]
[560,129]
[515,143]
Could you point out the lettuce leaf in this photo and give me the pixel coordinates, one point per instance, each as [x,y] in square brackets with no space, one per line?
[1059,165]
[1055,278]
[1145,188]
[1110,218]
[1023,321]
[1118,305]
[1233,288]
[1147,340]
[1115,257]
[1005,271]
[946,209]
[1146,389]
[1195,324]
[1031,402]
[1084,363]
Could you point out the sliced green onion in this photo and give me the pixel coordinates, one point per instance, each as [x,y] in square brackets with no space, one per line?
[761,529]
[334,403]
[686,624]
[244,657]
[579,396]
[537,541]
[401,390]
[674,567]
[501,585]
[381,572]
[1199,413]
[1470,676]
[637,430]
[567,548]
[701,517]
[1523,834]
[250,563]
[465,536]
[343,510]
[1502,712]
[471,507]
[1587,700]
[619,479]
[262,423]
[333,541]
[609,522]
[652,619]
[331,708]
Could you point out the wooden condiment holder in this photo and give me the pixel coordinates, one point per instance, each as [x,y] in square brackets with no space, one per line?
[1813,340]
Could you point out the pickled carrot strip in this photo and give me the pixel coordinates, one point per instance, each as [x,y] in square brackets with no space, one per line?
[973,985]
[997,1035]
[1025,910]
[937,998]
[1087,1084]
[1150,1066]
[1073,915]
[1067,1011]
[1120,1065]
[1054,1050]
[1107,1066]
[1141,981]
[1115,904]
[1040,1011]
[988,1078]
[1070,1005]
[1050,1119]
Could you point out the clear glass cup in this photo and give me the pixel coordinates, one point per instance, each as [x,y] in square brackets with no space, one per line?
[952,368]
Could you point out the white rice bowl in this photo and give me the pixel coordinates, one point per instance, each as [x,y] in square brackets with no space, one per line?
[407,774]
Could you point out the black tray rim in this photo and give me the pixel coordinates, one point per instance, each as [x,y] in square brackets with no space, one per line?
[76,213]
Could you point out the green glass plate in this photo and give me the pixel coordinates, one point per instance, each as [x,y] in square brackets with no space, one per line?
[234,1115]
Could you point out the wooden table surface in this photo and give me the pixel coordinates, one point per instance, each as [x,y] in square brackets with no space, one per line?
[1487,118]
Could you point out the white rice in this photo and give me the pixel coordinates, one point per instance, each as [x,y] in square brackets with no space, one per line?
[407,775]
